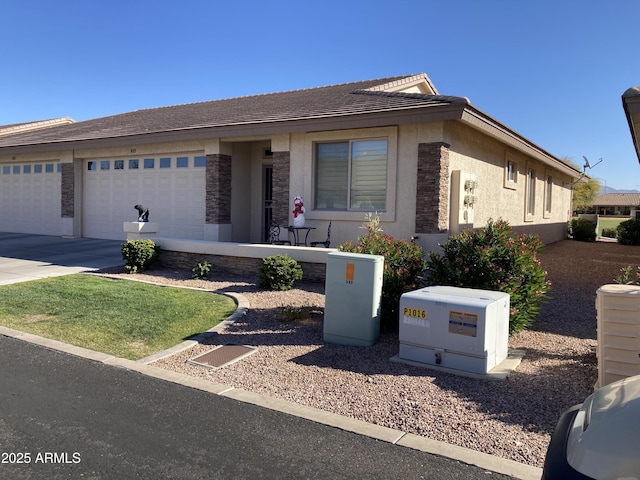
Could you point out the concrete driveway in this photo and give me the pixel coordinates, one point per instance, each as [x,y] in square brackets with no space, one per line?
[26,257]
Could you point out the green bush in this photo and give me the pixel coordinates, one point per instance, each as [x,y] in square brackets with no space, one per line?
[628,232]
[139,254]
[495,258]
[609,232]
[289,313]
[279,272]
[628,276]
[202,269]
[404,265]
[583,230]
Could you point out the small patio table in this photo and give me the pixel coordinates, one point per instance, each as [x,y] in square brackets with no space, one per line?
[296,234]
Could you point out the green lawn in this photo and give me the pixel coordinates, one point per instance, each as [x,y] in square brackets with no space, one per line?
[604,222]
[120,317]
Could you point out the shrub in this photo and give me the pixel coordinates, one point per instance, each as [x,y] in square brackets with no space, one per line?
[495,258]
[139,254]
[279,272]
[628,276]
[403,267]
[202,269]
[628,232]
[583,230]
[609,232]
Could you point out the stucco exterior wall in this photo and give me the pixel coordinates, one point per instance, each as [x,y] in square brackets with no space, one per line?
[487,158]
[345,225]
[398,219]
[240,192]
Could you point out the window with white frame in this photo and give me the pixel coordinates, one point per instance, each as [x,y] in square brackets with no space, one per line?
[531,192]
[548,194]
[351,175]
[510,173]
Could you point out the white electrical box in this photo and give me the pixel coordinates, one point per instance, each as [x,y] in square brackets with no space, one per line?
[353,291]
[460,328]
[618,322]
[463,200]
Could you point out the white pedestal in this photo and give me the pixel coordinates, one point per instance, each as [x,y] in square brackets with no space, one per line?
[138,230]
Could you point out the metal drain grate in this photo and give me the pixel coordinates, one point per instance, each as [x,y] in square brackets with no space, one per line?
[222,355]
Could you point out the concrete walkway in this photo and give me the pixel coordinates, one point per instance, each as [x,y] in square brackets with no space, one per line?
[26,257]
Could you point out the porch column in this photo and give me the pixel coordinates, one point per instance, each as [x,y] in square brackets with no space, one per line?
[281,169]
[218,198]
[71,195]
[432,194]
[67,186]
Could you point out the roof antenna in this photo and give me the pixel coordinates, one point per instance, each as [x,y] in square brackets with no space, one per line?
[588,165]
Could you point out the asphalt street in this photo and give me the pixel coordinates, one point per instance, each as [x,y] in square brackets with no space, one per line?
[68,417]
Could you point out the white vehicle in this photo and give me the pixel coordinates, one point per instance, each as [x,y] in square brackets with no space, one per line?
[600,438]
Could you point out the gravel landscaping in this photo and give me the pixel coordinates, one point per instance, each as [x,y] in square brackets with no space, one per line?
[513,418]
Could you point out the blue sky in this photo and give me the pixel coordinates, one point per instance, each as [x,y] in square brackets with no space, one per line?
[552,70]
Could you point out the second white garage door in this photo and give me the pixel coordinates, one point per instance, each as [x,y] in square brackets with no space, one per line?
[30,198]
[172,187]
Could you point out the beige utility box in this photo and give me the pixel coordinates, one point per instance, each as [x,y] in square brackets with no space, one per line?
[460,328]
[618,321]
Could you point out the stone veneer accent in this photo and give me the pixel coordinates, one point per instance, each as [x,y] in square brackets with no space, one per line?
[280,205]
[432,195]
[313,272]
[67,197]
[218,189]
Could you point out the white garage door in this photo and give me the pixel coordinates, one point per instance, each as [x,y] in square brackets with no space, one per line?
[30,198]
[172,187]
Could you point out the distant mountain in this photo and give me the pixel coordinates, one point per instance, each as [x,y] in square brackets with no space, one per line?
[604,190]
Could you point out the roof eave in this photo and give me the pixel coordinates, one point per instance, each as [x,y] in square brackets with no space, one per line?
[481,121]
[631,105]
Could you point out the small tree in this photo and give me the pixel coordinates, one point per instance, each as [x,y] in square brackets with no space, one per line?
[584,194]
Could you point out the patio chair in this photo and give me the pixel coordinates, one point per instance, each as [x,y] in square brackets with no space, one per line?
[325,243]
[274,235]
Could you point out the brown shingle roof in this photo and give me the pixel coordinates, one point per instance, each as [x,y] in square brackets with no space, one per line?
[322,102]
[617,200]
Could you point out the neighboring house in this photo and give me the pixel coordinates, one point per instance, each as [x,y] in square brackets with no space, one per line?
[220,170]
[30,126]
[620,204]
